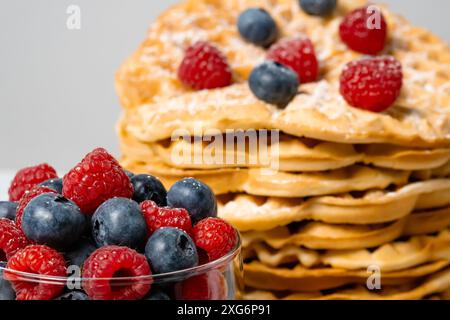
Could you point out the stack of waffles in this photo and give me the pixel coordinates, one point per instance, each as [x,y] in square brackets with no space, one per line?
[357,205]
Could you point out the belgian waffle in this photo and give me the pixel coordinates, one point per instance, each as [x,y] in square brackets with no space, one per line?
[158,104]
[435,283]
[292,154]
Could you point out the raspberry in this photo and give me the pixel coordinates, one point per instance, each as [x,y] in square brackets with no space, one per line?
[215,236]
[97,178]
[116,262]
[359,31]
[372,84]
[27,197]
[157,217]
[207,286]
[27,178]
[204,67]
[12,239]
[297,54]
[40,260]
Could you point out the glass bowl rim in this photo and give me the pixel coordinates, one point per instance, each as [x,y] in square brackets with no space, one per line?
[186,273]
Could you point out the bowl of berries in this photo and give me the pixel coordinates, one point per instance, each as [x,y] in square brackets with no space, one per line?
[103,233]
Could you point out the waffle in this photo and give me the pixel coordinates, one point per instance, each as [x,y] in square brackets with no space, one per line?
[158,104]
[264,213]
[278,183]
[259,276]
[393,256]
[318,235]
[434,284]
[290,154]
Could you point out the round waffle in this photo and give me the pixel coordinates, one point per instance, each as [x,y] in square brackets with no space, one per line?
[157,103]
[436,283]
[318,235]
[290,154]
[261,213]
[277,183]
[259,276]
[393,256]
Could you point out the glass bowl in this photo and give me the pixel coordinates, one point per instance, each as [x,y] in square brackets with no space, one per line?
[221,279]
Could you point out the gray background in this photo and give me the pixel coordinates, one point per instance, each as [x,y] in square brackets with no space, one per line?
[57,95]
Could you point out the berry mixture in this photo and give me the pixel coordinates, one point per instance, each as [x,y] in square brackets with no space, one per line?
[158,217]
[290,62]
[116,262]
[204,67]
[36,259]
[214,236]
[12,239]
[27,178]
[257,26]
[114,230]
[274,83]
[194,196]
[363,35]
[297,54]
[207,286]
[97,178]
[372,84]
[8,209]
[318,7]
[54,184]
[147,187]
[26,198]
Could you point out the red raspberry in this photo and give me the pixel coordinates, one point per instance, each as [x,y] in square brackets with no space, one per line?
[116,262]
[157,217]
[207,286]
[204,67]
[359,31]
[97,178]
[40,260]
[372,84]
[27,197]
[27,178]
[297,54]
[215,236]
[12,239]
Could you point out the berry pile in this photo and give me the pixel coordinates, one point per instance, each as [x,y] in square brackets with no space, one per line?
[293,61]
[109,224]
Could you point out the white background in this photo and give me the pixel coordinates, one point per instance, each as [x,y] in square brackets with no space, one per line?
[57,97]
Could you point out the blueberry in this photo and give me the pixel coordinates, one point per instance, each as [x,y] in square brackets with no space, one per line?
[6,290]
[119,221]
[157,295]
[54,184]
[257,26]
[80,253]
[274,83]
[73,295]
[129,174]
[171,249]
[195,196]
[8,210]
[53,220]
[318,7]
[147,187]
